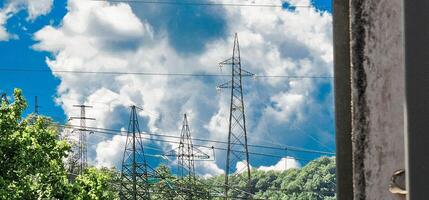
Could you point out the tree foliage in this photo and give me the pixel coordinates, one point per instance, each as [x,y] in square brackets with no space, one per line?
[31,164]
[315,181]
[95,184]
[32,167]
[169,186]
[32,160]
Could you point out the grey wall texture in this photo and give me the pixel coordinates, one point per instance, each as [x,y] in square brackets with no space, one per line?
[377,96]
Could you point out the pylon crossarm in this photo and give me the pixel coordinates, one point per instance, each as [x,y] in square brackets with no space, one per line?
[225,85]
[172,153]
[228,61]
[200,154]
[246,73]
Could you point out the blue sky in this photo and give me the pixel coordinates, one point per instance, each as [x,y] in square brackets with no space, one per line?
[186,34]
[17,53]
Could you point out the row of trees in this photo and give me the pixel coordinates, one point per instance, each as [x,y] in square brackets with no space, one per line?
[315,181]
[32,160]
[32,167]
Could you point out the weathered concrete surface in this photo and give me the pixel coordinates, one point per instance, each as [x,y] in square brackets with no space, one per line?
[377,96]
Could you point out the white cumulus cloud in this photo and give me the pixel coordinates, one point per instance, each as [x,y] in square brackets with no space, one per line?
[208,169]
[241,166]
[283,164]
[107,152]
[103,36]
[34,8]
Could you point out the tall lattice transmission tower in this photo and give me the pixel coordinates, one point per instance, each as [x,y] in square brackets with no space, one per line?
[36,105]
[82,141]
[237,150]
[186,155]
[134,174]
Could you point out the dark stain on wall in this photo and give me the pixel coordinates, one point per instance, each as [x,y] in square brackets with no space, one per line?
[360,113]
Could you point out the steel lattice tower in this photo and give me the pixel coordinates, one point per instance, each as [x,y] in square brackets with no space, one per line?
[82,144]
[134,173]
[237,135]
[186,155]
[36,105]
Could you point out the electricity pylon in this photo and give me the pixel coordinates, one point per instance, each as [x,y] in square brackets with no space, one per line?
[36,105]
[237,135]
[134,173]
[72,161]
[186,155]
[82,143]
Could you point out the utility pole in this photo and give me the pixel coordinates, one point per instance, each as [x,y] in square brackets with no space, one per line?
[36,105]
[134,173]
[237,135]
[186,155]
[82,144]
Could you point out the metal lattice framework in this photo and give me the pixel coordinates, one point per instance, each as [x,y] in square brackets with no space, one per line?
[186,155]
[36,105]
[134,174]
[237,135]
[82,142]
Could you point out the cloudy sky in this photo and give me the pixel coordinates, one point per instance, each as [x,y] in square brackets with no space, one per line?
[293,39]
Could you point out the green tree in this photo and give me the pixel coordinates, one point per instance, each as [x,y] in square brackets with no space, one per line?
[31,163]
[315,181]
[95,184]
[166,185]
[32,167]
[32,160]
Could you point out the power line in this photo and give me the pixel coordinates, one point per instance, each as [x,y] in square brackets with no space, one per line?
[137,168]
[221,185]
[157,73]
[208,147]
[196,145]
[178,3]
[285,147]
[211,185]
[279,147]
[232,187]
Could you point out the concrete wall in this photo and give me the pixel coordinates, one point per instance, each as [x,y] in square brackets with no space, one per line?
[377,88]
